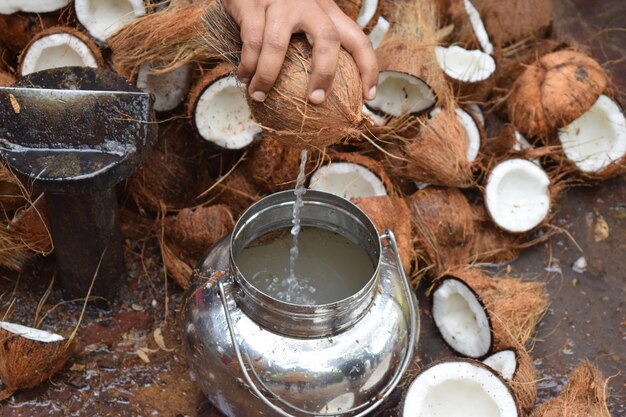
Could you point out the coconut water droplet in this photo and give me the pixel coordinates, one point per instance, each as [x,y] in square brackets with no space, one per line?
[295,230]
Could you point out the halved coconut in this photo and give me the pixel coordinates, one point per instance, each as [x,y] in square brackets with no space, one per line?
[469,66]
[459,388]
[31,6]
[479,27]
[475,109]
[473,132]
[29,357]
[400,93]
[347,180]
[59,47]
[169,88]
[596,141]
[504,362]
[378,32]
[102,18]
[219,110]
[475,313]
[517,195]
[375,118]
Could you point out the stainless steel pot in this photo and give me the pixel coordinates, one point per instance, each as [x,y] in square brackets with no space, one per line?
[254,355]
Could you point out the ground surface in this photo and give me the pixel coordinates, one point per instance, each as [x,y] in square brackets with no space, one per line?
[126,368]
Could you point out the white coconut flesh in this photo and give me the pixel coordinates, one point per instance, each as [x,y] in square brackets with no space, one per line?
[521,143]
[30,333]
[479,27]
[464,65]
[55,51]
[504,363]
[102,18]
[373,117]
[597,138]
[169,88]
[222,114]
[399,94]
[461,318]
[347,180]
[367,12]
[377,34]
[459,389]
[518,195]
[471,132]
[477,112]
[31,6]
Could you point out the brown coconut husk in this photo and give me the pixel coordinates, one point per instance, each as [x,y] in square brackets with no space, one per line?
[174,174]
[26,363]
[555,91]
[393,213]
[236,191]
[444,227]
[11,191]
[16,30]
[584,395]
[6,79]
[352,9]
[93,47]
[13,255]
[525,378]
[189,235]
[513,307]
[29,227]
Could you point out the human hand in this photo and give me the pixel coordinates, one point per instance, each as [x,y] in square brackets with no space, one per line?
[266,29]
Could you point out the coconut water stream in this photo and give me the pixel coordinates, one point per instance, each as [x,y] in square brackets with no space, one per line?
[295,230]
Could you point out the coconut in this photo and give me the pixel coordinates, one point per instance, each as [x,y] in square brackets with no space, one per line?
[444,227]
[189,235]
[29,227]
[469,71]
[595,143]
[378,32]
[474,131]
[17,30]
[218,108]
[364,12]
[13,255]
[391,213]
[11,191]
[169,88]
[507,142]
[29,356]
[32,6]
[6,79]
[584,395]
[558,89]
[174,175]
[475,313]
[351,175]
[235,191]
[102,18]
[59,46]
[459,388]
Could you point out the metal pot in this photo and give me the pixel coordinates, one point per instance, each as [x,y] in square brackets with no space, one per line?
[255,355]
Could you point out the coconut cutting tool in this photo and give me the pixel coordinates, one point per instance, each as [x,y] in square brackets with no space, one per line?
[74,133]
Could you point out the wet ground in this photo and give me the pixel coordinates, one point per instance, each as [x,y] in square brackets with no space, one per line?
[130,361]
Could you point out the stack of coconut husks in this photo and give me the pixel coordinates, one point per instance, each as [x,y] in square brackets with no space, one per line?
[481,121]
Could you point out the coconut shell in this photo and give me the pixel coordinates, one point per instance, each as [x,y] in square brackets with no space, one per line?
[174,174]
[93,47]
[371,164]
[391,213]
[224,69]
[444,227]
[513,307]
[190,234]
[26,363]
[30,228]
[16,30]
[555,91]
[584,395]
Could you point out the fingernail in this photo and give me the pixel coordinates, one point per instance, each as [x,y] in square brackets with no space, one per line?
[317,96]
[259,96]
[372,94]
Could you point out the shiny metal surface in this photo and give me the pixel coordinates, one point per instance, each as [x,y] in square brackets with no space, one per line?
[353,368]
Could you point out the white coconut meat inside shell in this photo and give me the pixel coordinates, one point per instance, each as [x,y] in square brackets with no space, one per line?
[169,88]
[56,51]
[367,12]
[597,138]
[373,117]
[30,333]
[477,112]
[461,318]
[518,195]
[399,94]
[459,389]
[479,27]
[347,180]
[222,114]
[464,65]
[504,363]
[102,18]
[31,6]
[378,33]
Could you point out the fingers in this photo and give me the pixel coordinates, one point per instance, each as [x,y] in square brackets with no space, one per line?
[252,37]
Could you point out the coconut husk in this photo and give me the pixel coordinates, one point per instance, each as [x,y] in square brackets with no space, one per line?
[393,213]
[29,228]
[189,235]
[6,79]
[13,255]
[16,30]
[352,8]
[235,191]
[223,69]
[11,192]
[584,395]
[513,307]
[444,227]
[555,91]
[26,363]
[174,174]
[93,47]
[524,381]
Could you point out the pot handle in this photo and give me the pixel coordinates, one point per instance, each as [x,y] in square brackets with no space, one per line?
[376,401]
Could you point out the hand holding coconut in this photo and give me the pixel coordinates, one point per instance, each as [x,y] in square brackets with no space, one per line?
[266,29]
